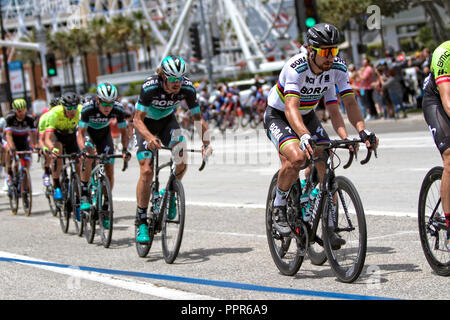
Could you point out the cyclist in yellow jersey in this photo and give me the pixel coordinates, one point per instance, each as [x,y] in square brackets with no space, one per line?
[60,133]
[44,149]
[436,109]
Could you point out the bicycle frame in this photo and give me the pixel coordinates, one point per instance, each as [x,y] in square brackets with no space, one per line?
[326,186]
[19,171]
[99,170]
[155,194]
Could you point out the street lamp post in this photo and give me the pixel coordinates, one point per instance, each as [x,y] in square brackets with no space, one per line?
[5,58]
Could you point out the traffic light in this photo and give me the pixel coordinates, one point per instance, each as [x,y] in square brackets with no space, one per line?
[311,15]
[215,45]
[195,41]
[50,60]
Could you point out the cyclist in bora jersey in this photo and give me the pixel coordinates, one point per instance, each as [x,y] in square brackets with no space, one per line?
[155,119]
[290,120]
[94,130]
[436,110]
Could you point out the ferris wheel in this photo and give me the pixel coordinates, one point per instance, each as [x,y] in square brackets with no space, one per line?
[250,35]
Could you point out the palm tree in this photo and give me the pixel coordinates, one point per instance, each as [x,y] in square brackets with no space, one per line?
[60,43]
[144,37]
[97,29]
[81,39]
[122,29]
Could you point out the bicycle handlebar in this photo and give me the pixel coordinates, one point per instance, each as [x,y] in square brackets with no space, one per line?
[190,150]
[102,157]
[345,144]
[72,156]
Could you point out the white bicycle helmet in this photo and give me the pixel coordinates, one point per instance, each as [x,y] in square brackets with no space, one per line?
[107,92]
[173,66]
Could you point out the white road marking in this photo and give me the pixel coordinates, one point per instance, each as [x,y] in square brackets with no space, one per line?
[75,274]
[263,206]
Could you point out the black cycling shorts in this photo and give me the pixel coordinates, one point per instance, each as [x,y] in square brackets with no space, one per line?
[166,129]
[280,132]
[69,142]
[102,140]
[437,120]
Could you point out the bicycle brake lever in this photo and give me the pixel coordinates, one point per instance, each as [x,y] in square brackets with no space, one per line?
[350,159]
[125,165]
[369,154]
[202,166]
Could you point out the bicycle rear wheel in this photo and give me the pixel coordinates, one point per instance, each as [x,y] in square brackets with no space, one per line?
[316,253]
[343,213]
[89,218]
[245,118]
[64,213]
[432,226]
[51,201]
[105,217]
[283,250]
[144,248]
[26,192]
[13,199]
[173,226]
[75,200]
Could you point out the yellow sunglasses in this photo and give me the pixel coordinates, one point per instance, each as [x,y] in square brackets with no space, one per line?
[325,52]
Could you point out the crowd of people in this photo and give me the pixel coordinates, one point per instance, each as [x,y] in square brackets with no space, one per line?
[384,90]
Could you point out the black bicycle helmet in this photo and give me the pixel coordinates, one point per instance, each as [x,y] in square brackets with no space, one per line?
[54,102]
[70,99]
[323,34]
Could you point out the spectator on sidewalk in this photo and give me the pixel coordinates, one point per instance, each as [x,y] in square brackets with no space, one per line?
[395,91]
[367,76]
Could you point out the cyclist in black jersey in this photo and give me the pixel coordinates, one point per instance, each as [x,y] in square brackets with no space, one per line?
[94,130]
[19,125]
[436,109]
[155,122]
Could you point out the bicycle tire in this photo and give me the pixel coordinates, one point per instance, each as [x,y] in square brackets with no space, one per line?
[144,248]
[287,261]
[170,252]
[106,202]
[341,261]
[429,198]
[51,202]
[75,199]
[255,121]
[89,217]
[64,213]
[13,199]
[245,119]
[27,195]
[316,253]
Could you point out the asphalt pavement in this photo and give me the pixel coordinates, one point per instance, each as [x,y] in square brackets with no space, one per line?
[224,254]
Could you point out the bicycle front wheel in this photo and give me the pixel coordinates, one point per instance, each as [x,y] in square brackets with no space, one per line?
[173,213]
[26,192]
[343,214]
[283,249]
[106,212]
[432,226]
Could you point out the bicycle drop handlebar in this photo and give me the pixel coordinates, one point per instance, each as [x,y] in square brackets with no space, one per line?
[346,144]
[190,150]
[103,157]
